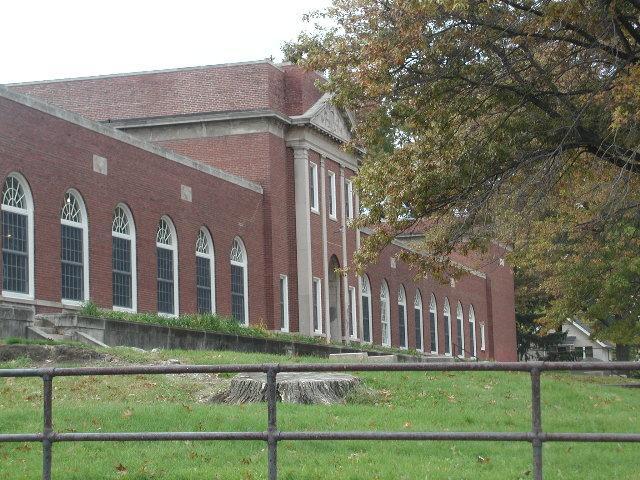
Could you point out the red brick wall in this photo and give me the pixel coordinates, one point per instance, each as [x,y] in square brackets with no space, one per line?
[54,155]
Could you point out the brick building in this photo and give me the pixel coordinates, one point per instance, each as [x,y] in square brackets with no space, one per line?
[216,189]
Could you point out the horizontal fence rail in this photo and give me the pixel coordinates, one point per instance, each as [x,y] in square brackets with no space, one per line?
[272,435]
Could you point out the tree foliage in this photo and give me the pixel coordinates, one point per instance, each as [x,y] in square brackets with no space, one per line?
[510,120]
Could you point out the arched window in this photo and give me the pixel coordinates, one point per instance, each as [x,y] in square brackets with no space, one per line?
[123,260]
[447,327]
[74,242]
[167,255]
[417,318]
[239,282]
[459,330]
[385,314]
[402,316]
[205,273]
[17,238]
[365,292]
[472,330]
[433,324]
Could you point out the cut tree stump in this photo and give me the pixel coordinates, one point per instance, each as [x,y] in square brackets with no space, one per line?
[293,387]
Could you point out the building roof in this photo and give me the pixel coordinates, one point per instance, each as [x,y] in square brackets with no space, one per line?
[587,331]
[259,85]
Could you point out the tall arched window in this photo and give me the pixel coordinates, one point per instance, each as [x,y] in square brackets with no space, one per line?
[459,330]
[433,324]
[239,282]
[123,260]
[74,242]
[167,255]
[402,316]
[447,327]
[205,279]
[385,314]
[472,330]
[365,290]
[417,318]
[17,238]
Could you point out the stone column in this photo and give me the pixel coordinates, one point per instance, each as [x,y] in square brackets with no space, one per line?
[325,254]
[303,240]
[345,260]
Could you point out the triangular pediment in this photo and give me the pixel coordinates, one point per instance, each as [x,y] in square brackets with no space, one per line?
[328,118]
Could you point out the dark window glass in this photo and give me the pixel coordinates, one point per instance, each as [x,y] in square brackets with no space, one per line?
[15,256]
[350,308]
[72,263]
[447,333]
[283,287]
[459,333]
[366,335]
[418,324]
[316,320]
[121,272]
[237,293]
[165,280]
[402,322]
[432,326]
[588,352]
[203,282]
[472,337]
[312,186]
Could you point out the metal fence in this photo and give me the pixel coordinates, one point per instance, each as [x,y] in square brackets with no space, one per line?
[536,436]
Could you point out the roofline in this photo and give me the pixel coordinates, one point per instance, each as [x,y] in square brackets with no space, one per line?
[586,331]
[147,72]
[225,115]
[123,137]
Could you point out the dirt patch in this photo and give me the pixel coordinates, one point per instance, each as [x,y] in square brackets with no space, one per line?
[49,353]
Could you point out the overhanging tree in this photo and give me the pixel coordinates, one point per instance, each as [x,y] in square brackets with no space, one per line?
[482,117]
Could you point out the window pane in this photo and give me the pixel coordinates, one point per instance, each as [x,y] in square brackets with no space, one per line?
[459,334]
[366,334]
[121,266]
[432,326]
[402,323]
[72,263]
[237,293]
[447,333]
[203,283]
[15,256]
[165,280]
[316,315]
[417,316]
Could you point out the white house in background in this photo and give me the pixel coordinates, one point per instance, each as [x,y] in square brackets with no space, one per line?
[579,340]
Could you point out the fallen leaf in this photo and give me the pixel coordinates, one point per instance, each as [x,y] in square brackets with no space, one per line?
[121,468]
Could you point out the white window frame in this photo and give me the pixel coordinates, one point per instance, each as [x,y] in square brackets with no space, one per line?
[84,226]
[245,264]
[472,331]
[402,302]
[333,210]
[134,265]
[348,207]
[317,286]
[385,313]
[211,256]
[483,345]
[364,280]
[417,305]
[460,324]
[174,251]
[284,295]
[354,316]
[433,308]
[29,211]
[313,196]
[447,325]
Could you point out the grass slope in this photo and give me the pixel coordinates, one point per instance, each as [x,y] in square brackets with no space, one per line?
[405,401]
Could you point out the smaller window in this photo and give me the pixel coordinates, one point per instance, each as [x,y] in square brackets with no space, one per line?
[284,303]
[74,252]
[459,350]
[317,305]
[482,338]
[417,318]
[348,199]
[385,314]
[353,325]
[167,279]
[365,288]
[331,198]
[402,317]
[447,327]
[313,187]
[204,273]
[239,282]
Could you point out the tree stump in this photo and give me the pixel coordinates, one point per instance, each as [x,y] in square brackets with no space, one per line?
[293,387]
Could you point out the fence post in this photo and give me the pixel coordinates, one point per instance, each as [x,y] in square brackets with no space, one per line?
[48,426]
[272,441]
[536,423]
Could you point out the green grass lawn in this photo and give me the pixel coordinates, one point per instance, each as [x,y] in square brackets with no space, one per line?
[403,402]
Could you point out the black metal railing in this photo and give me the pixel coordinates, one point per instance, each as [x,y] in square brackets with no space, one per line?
[536,436]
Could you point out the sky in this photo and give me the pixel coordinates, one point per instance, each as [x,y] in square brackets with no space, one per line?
[49,39]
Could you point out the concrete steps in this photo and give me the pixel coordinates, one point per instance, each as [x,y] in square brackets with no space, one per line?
[40,333]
